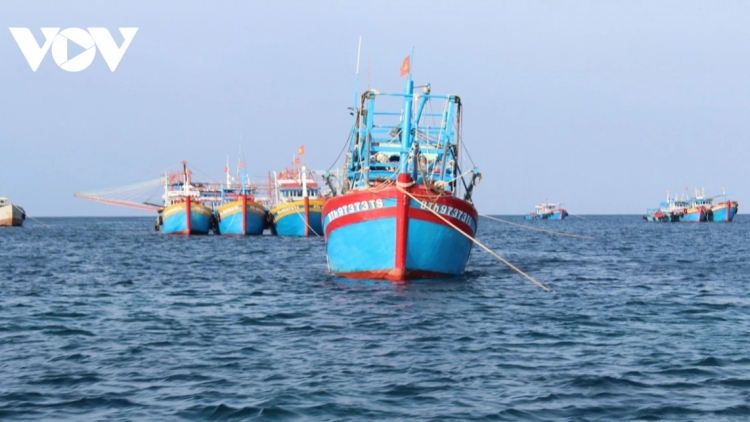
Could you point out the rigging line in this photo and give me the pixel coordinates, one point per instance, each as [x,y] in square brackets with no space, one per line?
[348,138]
[210,179]
[304,221]
[24,212]
[576,216]
[150,184]
[536,228]
[493,253]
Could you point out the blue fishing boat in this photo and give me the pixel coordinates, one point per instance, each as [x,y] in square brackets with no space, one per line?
[547,211]
[298,203]
[670,210]
[724,210]
[695,209]
[185,208]
[406,211]
[239,212]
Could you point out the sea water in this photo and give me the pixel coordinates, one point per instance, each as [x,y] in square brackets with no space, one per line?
[105,319]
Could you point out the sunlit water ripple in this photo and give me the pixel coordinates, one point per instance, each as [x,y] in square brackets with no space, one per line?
[103,319]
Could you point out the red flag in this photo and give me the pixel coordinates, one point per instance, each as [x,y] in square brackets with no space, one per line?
[405,69]
[301,150]
[296,160]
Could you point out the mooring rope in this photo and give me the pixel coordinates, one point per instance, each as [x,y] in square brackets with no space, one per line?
[306,223]
[537,229]
[493,253]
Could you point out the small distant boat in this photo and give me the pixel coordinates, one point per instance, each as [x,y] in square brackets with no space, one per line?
[185,211]
[697,210]
[671,210]
[406,211]
[10,213]
[239,212]
[547,211]
[298,203]
[725,210]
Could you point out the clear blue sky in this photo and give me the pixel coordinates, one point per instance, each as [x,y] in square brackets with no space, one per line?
[603,105]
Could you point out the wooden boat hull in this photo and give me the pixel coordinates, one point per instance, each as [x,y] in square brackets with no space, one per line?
[230,218]
[174,219]
[385,234]
[12,215]
[297,218]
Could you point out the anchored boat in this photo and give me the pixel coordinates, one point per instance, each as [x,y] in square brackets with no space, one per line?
[697,208]
[240,212]
[185,205]
[10,213]
[704,207]
[407,211]
[724,210]
[547,211]
[298,203]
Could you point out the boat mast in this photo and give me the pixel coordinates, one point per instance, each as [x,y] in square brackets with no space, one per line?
[276,187]
[187,177]
[406,124]
[226,170]
[304,182]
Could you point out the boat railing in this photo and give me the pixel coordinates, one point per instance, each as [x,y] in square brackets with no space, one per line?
[380,149]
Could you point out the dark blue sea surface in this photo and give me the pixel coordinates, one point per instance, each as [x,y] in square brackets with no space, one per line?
[105,319]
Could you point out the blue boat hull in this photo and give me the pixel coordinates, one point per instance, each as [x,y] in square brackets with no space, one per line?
[559,215]
[288,219]
[174,221]
[694,216]
[723,213]
[363,237]
[230,218]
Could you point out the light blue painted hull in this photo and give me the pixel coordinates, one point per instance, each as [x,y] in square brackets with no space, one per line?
[232,224]
[558,215]
[176,223]
[364,240]
[720,214]
[432,248]
[294,224]
[694,217]
[289,219]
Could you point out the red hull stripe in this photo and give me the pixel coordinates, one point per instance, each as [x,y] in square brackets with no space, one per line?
[393,274]
[392,193]
[414,213]
[373,214]
[429,216]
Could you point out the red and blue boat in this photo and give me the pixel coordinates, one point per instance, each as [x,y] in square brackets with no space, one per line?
[185,209]
[406,211]
[239,212]
[723,210]
[695,209]
[298,203]
[186,205]
[547,211]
